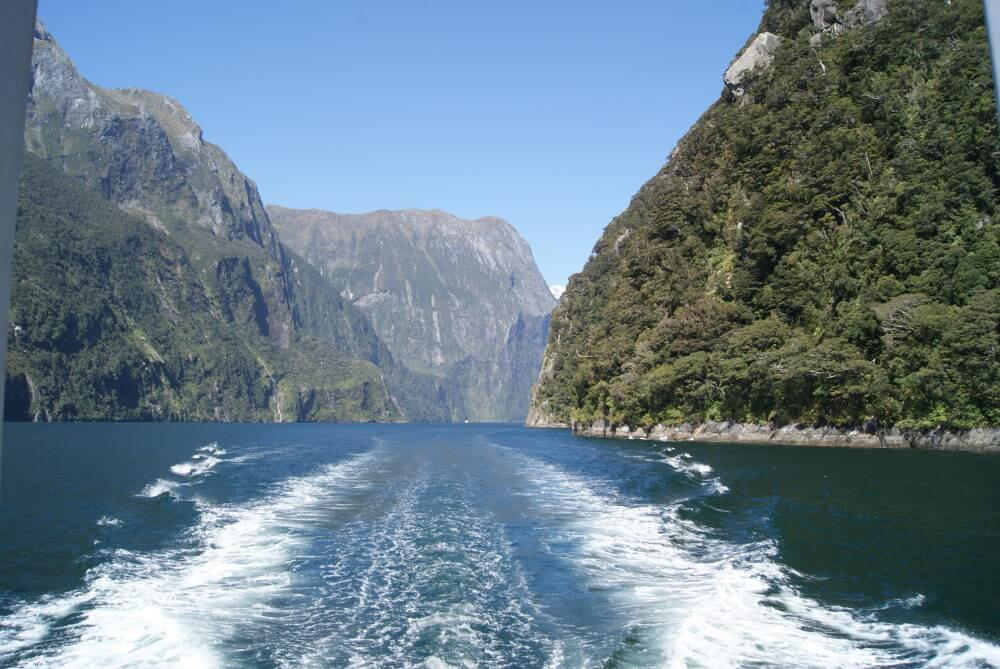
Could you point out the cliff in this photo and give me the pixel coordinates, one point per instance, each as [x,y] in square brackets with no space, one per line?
[459,299]
[822,248]
[256,334]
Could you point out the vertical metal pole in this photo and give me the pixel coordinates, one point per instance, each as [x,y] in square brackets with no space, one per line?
[17,29]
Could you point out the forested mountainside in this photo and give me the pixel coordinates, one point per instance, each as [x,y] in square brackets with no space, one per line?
[822,247]
[111,321]
[255,333]
[460,299]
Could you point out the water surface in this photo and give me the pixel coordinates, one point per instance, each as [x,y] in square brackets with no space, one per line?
[488,546]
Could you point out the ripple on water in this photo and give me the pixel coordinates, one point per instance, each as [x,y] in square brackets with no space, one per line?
[432,580]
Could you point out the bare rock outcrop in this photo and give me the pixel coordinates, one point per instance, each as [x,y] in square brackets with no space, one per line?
[760,54]
[830,20]
[982,440]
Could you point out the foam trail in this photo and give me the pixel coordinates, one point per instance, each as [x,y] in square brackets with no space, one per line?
[702,602]
[160,487]
[212,449]
[196,466]
[174,608]
[380,611]
[684,462]
[201,462]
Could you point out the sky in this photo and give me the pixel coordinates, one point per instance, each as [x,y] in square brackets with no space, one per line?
[550,115]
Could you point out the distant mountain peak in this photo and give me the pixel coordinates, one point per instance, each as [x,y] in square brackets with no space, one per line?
[42,32]
[445,293]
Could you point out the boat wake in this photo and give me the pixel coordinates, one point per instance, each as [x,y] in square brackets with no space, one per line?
[197,466]
[432,581]
[202,462]
[695,600]
[232,572]
[458,557]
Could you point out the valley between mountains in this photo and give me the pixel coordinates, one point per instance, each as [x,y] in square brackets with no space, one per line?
[151,283]
[818,261]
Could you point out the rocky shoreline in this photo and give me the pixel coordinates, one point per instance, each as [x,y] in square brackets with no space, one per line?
[982,440]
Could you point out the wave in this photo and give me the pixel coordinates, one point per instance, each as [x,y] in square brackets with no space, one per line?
[173,608]
[108,521]
[391,560]
[914,602]
[160,487]
[197,466]
[213,448]
[699,601]
[204,460]
[685,463]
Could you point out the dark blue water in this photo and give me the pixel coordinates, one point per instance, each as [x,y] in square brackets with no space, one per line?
[487,546]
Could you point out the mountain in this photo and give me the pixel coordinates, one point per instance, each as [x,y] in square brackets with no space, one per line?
[461,300]
[247,329]
[821,248]
[112,322]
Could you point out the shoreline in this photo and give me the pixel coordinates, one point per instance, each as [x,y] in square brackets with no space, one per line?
[977,440]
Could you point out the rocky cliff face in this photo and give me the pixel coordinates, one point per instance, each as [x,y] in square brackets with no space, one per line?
[111,321]
[138,148]
[307,352]
[499,389]
[822,247]
[832,17]
[144,152]
[462,300]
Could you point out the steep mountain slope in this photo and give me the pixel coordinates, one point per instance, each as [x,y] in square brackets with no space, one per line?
[822,247]
[144,153]
[111,322]
[462,300]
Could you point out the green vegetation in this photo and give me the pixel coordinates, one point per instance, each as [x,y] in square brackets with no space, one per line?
[110,320]
[825,250]
[192,309]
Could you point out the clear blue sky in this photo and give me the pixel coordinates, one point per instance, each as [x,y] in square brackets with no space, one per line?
[548,114]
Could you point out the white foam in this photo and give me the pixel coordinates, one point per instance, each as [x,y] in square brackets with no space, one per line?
[171,608]
[704,602]
[913,602]
[685,464]
[213,449]
[30,623]
[445,584]
[196,466]
[159,487]
[108,521]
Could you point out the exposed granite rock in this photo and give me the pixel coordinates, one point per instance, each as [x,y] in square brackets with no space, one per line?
[868,11]
[539,416]
[141,149]
[978,439]
[112,321]
[759,54]
[824,15]
[144,152]
[460,299]
[827,18]
[500,388]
